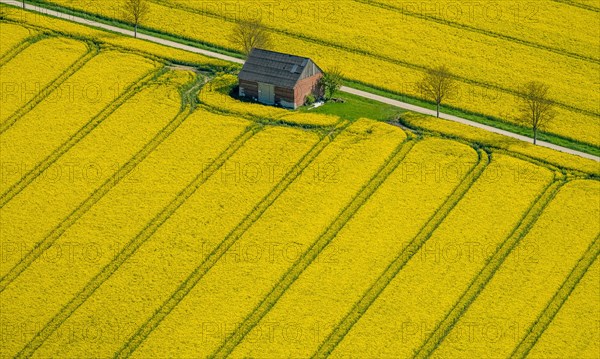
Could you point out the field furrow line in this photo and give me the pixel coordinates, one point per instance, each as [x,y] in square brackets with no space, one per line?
[560,297]
[486,274]
[150,228]
[385,58]
[48,89]
[85,206]
[478,30]
[340,331]
[190,282]
[75,138]
[20,47]
[316,248]
[579,5]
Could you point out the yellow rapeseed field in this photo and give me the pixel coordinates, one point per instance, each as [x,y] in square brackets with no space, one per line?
[12,35]
[563,339]
[473,56]
[539,23]
[34,23]
[100,234]
[192,232]
[531,274]
[436,276]
[145,212]
[248,270]
[328,288]
[65,111]
[26,75]
[29,217]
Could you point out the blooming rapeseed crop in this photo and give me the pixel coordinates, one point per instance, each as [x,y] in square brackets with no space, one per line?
[574,331]
[30,216]
[94,240]
[11,35]
[64,111]
[529,276]
[24,76]
[433,280]
[246,273]
[147,278]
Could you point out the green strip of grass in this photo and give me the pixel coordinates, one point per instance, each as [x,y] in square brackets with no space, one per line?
[356,107]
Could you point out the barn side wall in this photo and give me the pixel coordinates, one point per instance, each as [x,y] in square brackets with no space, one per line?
[250,89]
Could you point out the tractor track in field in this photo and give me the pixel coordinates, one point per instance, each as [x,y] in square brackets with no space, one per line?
[90,201]
[375,290]
[131,247]
[558,300]
[236,233]
[386,58]
[94,122]
[20,47]
[576,4]
[359,199]
[50,88]
[489,33]
[480,281]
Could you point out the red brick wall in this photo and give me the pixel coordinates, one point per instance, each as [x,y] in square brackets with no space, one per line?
[307,86]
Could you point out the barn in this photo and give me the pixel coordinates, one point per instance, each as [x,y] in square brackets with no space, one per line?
[275,78]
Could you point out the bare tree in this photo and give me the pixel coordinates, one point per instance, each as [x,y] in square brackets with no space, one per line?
[135,11]
[248,34]
[535,107]
[437,84]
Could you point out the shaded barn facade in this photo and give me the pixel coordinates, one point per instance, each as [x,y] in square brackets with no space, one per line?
[275,78]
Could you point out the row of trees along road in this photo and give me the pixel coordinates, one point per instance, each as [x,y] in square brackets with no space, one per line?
[536,109]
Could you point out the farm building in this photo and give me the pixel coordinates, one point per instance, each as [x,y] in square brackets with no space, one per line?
[274,78]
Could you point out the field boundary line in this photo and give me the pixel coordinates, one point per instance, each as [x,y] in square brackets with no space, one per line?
[237,232]
[479,30]
[50,88]
[94,122]
[405,255]
[308,257]
[90,201]
[131,247]
[482,278]
[579,5]
[385,58]
[21,46]
[558,300]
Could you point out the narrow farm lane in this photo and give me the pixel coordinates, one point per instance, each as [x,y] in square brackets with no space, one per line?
[350,90]
[426,111]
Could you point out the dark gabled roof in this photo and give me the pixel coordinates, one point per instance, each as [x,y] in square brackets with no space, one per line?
[275,68]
